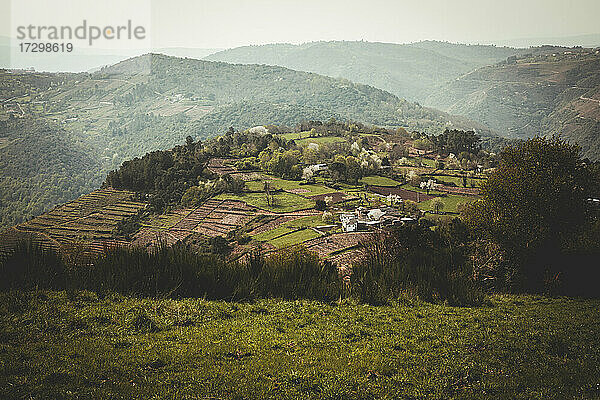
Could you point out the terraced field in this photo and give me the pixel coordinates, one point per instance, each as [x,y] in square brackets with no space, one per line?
[291,220]
[341,248]
[92,218]
[404,194]
[214,217]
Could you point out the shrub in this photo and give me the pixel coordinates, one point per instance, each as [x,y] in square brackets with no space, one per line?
[417,261]
[320,205]
[297,273]
[29,266]
[174,272]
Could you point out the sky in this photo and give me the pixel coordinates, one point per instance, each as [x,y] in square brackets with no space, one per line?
[232,23]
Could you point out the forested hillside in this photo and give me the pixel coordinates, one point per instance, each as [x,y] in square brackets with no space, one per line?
[40,166]
[517,92]
[69,130]
[533,95]
[411,71]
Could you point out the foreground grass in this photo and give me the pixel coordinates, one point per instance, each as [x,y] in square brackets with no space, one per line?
[59,345]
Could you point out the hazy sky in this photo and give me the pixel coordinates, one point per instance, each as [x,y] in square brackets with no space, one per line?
[230,23]
[227,23]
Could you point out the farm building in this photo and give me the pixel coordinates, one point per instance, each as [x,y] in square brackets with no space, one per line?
[349,222]
[362,219]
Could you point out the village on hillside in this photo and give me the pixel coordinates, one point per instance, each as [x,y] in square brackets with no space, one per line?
[270,213]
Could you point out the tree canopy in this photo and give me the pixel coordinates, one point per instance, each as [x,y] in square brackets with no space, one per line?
[535,206]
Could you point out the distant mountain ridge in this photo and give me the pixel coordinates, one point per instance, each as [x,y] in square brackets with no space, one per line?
[518,92]
[589,40]
[411,71]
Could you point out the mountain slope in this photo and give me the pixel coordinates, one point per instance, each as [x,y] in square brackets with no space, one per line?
[410,71]
[546,94]
[154,102]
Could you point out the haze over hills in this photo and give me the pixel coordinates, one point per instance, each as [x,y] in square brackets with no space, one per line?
[83,59]
[411,71]
[547,94]
[154,102]
[541,94]
[590,40]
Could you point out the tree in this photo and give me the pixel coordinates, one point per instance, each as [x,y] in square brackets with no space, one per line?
[437,204]
[337,169]
[353,170]
[413,178]
[397,152]
[268,195]
[328,217]
[534,205]
[455,141]
[428,186]
[219,245]
[423,144]
[410,207]
[320,205]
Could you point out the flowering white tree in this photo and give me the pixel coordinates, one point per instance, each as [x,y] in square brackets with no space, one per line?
[429,185]
[308,173]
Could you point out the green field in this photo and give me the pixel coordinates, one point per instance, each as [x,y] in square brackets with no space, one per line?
[163,221]
[304,138]
[284,202]
[408,186]
[378,181]
[295,135]
[422,160]
[322,140]
[290,226]
[457,180]
[294,238]
[313,189]
[57,345]
[451,203]
[284,184]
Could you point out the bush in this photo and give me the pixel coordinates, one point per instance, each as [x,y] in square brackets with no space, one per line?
[320,205]
[174,272]
[294,274]
[29,266]
[416,261]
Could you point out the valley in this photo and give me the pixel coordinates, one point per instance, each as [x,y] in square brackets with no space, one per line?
[516,92]
[552,93]
[267,211]
[139,105]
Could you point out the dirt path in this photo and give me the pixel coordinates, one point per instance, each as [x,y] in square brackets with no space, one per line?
[589,99]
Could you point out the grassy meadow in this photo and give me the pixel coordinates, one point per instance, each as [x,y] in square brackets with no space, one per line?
[74,344]
[282,201]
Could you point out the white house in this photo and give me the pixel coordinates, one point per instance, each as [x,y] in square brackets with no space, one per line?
[349,222]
